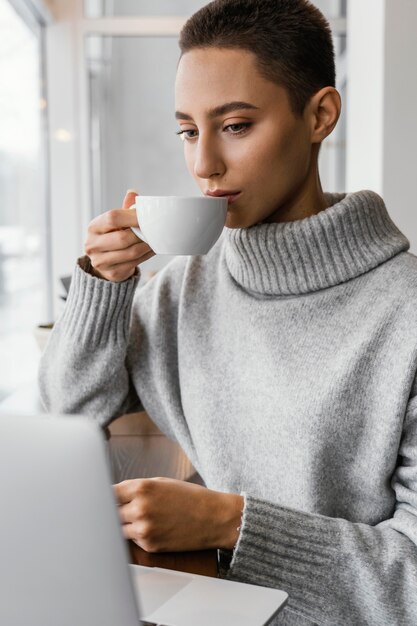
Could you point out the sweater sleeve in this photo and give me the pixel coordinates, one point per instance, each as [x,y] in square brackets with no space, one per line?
[337,572]
[82,369]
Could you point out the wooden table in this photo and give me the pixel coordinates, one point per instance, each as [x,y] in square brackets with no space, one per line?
[202,562]
[138,449]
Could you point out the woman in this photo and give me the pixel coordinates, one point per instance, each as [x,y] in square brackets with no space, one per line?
[284,361]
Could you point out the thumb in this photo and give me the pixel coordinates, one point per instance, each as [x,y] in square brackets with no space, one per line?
[129,198]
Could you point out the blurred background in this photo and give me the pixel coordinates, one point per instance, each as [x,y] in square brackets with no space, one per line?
[86,112]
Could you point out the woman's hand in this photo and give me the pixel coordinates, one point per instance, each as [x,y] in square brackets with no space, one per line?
[166,515]
[113,248]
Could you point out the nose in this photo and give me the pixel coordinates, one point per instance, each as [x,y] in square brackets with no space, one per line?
[208,160]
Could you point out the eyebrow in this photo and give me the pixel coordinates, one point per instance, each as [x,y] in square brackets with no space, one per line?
[220,110]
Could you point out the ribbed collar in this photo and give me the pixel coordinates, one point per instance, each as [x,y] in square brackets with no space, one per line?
[350,237]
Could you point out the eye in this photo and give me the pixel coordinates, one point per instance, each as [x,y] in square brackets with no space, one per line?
[237,129]
[187,134]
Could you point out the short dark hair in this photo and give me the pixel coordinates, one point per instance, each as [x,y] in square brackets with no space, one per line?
[291,40]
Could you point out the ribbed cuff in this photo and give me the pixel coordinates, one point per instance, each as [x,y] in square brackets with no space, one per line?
[97,310]
[288,550]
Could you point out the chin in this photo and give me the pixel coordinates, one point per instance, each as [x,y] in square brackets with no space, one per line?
[237,221]
[232,221]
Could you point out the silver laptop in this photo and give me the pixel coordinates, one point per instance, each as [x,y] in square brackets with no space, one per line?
[63,559]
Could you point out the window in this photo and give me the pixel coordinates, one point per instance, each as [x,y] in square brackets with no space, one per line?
[101,8]
[134,141]
[23,215]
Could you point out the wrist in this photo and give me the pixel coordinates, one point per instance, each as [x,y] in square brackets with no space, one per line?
[86,265]
[228,518]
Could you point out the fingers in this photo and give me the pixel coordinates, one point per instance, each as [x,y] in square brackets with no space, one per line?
[129,531]
[130,512]
[111,242]
[129,198]
[105,261]
[114,255]
[119,265]
[113,248]
[144,540]
[127,490]
[116,219]
[125,513]
[103,258]
[139,528]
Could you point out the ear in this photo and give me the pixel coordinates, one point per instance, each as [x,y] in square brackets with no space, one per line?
[323,112]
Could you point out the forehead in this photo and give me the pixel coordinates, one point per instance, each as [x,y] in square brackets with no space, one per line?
[208,77]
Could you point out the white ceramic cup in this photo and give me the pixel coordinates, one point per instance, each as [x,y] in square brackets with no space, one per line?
[180,225]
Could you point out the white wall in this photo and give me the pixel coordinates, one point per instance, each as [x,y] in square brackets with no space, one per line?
[381,105]
[400,119]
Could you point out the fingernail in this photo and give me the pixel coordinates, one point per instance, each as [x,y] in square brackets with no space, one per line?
[131,191]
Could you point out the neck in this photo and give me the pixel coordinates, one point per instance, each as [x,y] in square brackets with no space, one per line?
[308,200]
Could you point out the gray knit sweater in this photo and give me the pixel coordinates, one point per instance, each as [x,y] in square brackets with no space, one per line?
[284,363]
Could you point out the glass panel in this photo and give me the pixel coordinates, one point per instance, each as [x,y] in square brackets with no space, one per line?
[22,212]
[134,144]
[332,8]
[133,140]
[100,8]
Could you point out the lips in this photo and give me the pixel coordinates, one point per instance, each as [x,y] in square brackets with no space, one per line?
[222,193]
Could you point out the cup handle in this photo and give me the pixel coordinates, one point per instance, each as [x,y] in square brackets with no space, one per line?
[137,231]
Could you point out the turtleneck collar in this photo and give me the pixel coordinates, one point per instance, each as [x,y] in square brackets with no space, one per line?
[350,237]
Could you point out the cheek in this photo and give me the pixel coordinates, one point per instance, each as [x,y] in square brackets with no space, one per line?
[285,156]
[189,159]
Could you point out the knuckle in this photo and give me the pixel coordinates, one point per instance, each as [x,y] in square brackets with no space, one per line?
[110,219]
[145,534]
[133,253]
[92,226]
[97,262]
[146,530]
[88,248]
[150,546]
[145,545]
[124,237]
[137,510]
[113,275]
[141,486]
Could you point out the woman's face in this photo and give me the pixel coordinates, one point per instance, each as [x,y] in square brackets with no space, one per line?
[255,147]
